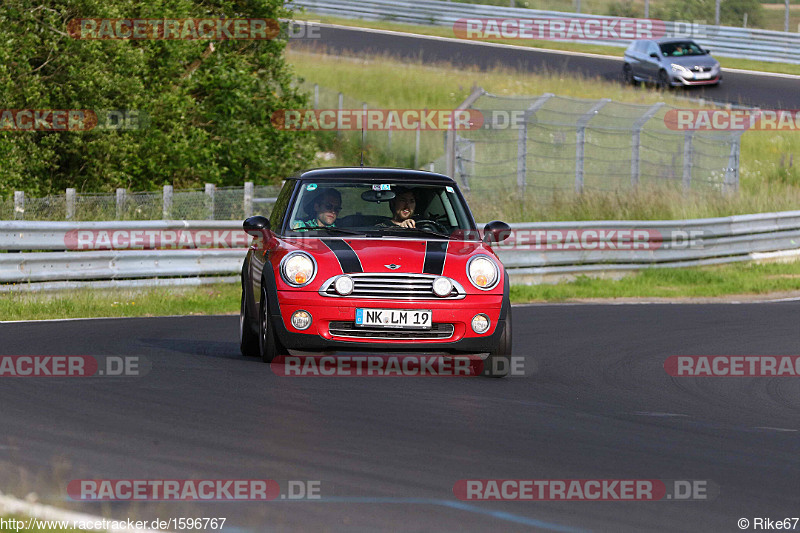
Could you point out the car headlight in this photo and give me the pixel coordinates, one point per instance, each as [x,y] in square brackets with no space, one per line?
[298,269]
[680,68]
[483,272]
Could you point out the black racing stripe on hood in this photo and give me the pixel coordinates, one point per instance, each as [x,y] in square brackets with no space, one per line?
[435,253]
[345,254]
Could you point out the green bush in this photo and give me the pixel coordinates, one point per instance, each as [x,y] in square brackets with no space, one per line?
[208,111]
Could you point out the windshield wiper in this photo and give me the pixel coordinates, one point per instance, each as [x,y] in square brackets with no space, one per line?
[403,231]
[330,228]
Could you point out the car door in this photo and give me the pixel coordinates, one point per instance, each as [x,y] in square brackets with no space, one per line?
[637,56]
[651,65]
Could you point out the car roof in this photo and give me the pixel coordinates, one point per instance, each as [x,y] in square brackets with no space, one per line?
[371,174]
[663,40]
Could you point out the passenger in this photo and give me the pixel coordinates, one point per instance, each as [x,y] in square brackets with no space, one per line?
[402,205]
[323,210]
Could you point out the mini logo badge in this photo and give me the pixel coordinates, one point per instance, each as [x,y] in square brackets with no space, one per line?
[392,266]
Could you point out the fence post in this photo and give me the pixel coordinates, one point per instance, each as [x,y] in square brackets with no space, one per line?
[522,142]
[166,210]
[687,160]
[316,96]
[339,115]
[450,134]
[19,205]
[210,190]
[120,203]
[731,184]
[70,204]
[636,143]
[248,199]
[581,139]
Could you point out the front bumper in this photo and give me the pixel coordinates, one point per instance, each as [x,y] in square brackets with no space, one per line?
[678,80]
[459,313]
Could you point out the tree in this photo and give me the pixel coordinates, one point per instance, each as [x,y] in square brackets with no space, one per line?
[206,104]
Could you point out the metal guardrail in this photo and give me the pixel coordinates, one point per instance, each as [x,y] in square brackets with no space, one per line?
[724,41]
[668,244]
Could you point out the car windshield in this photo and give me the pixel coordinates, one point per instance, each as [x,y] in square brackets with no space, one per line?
[378,209]
[683,48]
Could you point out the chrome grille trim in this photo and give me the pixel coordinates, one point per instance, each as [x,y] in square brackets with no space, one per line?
[392,286]
[350,330]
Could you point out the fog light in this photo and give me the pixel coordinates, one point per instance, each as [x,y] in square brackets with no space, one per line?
[344,285]
[302,319]
[442,287]
[480,323]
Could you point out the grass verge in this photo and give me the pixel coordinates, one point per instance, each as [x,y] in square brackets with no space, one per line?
[222,298]
[443,31]
[745,280]
[706,282]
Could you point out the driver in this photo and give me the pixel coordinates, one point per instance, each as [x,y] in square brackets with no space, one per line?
[402,205]
[325,208]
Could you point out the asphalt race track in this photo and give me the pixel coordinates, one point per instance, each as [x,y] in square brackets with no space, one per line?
[769,92]
[388,451]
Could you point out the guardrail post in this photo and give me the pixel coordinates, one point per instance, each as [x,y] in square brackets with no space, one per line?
[210,190]
[120,203]
[636,142]
[248,199]
[166,209]
[581,139]
[522,142]
[450,134]
[70,204]
[687,160]
[19,205]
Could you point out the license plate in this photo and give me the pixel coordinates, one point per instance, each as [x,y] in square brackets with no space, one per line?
[394,318]
[702,75]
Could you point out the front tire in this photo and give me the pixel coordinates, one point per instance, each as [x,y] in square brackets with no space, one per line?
[269,345]
[663,81]
[627,75]
[248,340]
[498,363]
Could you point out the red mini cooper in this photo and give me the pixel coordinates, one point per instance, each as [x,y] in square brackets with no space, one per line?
[377,259]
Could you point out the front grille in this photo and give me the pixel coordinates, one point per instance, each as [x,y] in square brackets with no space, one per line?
[349,329]
[393,286]
[702,69]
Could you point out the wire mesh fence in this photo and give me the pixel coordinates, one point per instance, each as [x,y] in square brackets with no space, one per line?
[210,203]
[544,145]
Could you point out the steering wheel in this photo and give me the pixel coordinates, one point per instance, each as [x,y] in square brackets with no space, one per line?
[432,224]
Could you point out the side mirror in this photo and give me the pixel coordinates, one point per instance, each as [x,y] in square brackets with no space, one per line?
[496,231]
[257,226]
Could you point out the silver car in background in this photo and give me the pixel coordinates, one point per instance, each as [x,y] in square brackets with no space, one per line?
[670,63]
